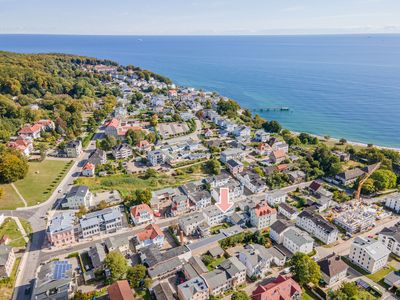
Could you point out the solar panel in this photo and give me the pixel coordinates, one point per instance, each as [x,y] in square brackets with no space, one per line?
[60,267]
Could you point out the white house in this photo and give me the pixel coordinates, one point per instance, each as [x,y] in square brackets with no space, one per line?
[296,240]
[278,228]
[262,216]
[141,214]
[393,202]
[333,269]
[390,237]
[77,196]
[288,211]
[317,226]
[276,197]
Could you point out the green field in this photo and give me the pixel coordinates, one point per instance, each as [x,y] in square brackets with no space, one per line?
[127,184]
[9,199]
[378,276]
[42,179]
[10,228]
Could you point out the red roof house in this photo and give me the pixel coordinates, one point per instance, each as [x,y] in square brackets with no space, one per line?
[280,289]
[120,290]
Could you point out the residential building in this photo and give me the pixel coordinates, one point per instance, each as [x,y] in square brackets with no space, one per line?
[278,156]
[261,136]
[107,220]
[393,202]
[122,151]
[276,197]
[7,260]
[60,231]
[151,234]
[236,190]
[22,144]
[88,170]
[228,154]
[252,181]
[143,145]
[117,243]
[180,205]
[278,228]
[288,211]
[73,148]
[242,131]
[296,240]
[193,289]
[217,181]
[317,226]
[234,166]
[163,291]
[262,215]
[263,149]
[214,216]
[230,274]
[318,190]
[390,237]
[350,176]
[296,176]
[189,224]
[97,255]
[141,214]
[369,254]
[54,281]
[155,157]
[78,195]
[392,279]
[120,290]
[200,200]
[98,157]
[280,289]
[333,269]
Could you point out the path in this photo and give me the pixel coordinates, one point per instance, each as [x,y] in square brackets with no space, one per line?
[21,229]
[19,194]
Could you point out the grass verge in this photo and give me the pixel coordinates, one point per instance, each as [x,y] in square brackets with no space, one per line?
[10,228]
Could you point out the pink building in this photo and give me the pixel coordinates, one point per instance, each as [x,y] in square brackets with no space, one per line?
[60,231]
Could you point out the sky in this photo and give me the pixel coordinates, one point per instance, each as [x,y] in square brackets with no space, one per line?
[199,17]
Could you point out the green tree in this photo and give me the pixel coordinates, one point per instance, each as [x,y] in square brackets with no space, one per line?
[272,126]
[13,166]
[384,179]
[133,137]
[347,291]
[154,120]
[214,166]
[368,187]
[240,295]
[304,269]
[136,276]
[143,196]
[117,265]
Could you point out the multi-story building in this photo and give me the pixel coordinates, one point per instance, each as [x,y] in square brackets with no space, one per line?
[317,226]
[390,237]
[200,199]
[281,288]
[278,228]
[393,202]
[151,234]
[262,216]
[296,240]
[78,196]
[236,190]
[141,214]
[288,211]
[73,148]
[122,151]
[156,157]
[237,154]
[234,166]
[180,205]
[61,229]
[252,181]
[7,260]
[190,224]
[333,269]
[107,220]
[193,289]
[214,216]
[276,197]
[371,255]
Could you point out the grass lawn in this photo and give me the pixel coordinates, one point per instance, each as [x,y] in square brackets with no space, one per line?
[27,226]
[306,296]
[9,199]
[217,228]
[127,184]
[41,180]
[378,276]
[215,263]
[7,287]
[10,228]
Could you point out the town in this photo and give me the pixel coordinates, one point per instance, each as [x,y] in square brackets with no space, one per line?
[179,193]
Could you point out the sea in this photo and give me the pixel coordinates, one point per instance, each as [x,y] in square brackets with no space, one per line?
[344,86]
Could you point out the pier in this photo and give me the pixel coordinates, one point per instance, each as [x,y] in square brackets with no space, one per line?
[265,109]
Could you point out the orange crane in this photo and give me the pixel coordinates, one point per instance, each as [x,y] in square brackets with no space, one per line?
[371,169]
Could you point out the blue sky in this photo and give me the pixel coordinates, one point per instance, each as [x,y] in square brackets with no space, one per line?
[162,17]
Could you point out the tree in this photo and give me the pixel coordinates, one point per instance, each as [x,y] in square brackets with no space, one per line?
[342,141]
[304,269]
[13,166]
[272,126]
[150,173]
[384,179]
[368,187]
[240,295]
[214,166]
[151,137]
[328,162]
[154,120]
[117,265]
[135,136]
[102,204]
[348,291]
[143,196]
[108,143]
[82,211]
[136,276]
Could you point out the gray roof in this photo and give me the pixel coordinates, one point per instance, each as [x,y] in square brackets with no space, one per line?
[216,278]
[78,191]
[374,248]
[62,221]
[113,242]
[198,265]
[280,225]
[298,236]
[4,253]
[192,218]
[205,241]
[97,255]
[163,291]
[318,221]
[106,214]
[232,266]
[152,255]
[393,232]
[290,209]
[191,287]
[164,267]
[216,251]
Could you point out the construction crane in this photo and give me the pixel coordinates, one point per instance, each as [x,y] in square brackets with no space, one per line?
[371,169]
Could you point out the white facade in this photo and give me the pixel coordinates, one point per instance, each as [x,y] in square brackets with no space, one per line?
[317,227]
[393,202]
[296,240]
[275,197]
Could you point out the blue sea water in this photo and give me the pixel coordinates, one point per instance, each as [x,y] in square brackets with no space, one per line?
[338,85]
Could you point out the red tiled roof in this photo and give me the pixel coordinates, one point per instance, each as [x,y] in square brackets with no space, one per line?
[150,232]
[113,123]
[280,289]
[137,209]
[143,144]
[120,290]
[279,153]
[264,209]
[282,167]
[88,166]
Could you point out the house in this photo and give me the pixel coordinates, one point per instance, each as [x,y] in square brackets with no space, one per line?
[107,220]
[296,176]
[54,281]
[30,131]
[318,190]
[151,234]
[155,157]
[280,289]
[141,214]
[234,153]
[393,202]
[276,197]
[97,255]
[98,157]
[220,180]
[390,237]
[192,289]
[214,216]
[73,148]
[262,215]
[189,224]
[317,226]
[261,136]
[343,156]
[288,211]
[23,145]
[122,151]
[296,240]
[180,205]
[277,156]
[350,176]
[277,145]
[143,145]
[236,190]
[252,181]
[242,131]
[60,231]
[230,274]
[200,200]
[88,170]
[259,259]
[78,195]
[277,229]
[120,290]
[7,260]
[234,166]
[392,279]
[333,269]
[163,291]
[263,149]
[117,243]
[369,254]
